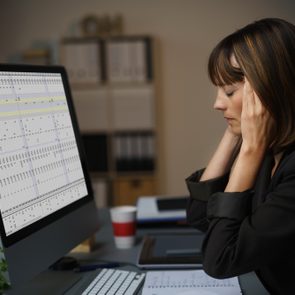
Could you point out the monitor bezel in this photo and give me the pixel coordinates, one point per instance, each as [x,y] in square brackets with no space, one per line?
[49,219]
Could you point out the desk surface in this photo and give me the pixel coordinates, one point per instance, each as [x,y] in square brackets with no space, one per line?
[56,282]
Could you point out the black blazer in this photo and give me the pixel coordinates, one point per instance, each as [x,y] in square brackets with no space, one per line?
[252,230]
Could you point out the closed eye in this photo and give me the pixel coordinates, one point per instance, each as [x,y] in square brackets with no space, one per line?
[229,94]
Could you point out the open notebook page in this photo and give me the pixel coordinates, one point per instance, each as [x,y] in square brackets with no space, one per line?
[188,282]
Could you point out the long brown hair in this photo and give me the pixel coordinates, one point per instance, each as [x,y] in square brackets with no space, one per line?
[265,53]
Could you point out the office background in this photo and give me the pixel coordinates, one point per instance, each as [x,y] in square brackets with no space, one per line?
[184,31]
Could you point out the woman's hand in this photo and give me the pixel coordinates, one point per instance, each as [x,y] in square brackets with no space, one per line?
[256,124]
[256,121]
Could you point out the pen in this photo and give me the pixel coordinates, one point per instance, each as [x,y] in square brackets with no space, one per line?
[89,267]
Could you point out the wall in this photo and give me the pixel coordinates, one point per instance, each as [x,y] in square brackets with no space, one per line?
[185,32]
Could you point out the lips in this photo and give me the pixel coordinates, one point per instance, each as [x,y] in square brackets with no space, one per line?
[229,120]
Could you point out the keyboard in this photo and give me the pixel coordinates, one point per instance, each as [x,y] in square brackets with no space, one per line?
[115,281]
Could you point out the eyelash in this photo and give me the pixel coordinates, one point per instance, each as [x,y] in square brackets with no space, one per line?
[230,94]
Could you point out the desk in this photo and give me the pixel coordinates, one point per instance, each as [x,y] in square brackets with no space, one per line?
[54,282]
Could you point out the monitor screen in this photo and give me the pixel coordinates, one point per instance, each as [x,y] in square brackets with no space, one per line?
[43,177]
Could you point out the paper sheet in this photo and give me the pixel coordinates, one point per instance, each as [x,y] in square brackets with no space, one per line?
[188,282]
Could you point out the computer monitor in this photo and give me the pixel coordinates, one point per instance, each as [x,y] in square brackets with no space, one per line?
[46,201]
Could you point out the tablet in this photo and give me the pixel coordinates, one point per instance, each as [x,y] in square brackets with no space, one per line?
[171,251]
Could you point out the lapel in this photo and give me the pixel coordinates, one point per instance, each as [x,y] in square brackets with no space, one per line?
[263,181]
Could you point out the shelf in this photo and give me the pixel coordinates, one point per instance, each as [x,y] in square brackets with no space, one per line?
[114,85]
[127,190]
[116,114]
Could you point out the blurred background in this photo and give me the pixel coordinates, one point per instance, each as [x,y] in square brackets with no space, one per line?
[175,99]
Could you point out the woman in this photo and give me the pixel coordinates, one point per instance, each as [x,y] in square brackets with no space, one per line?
[245,198]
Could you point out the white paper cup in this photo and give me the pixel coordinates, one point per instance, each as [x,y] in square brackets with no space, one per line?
[124,225]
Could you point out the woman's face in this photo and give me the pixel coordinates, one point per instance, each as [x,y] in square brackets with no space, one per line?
[229,101]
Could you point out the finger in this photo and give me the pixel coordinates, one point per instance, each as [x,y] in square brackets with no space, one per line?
[257,101]
[245,94]
[258,107]
[250,89]
[248,97]
[247,89]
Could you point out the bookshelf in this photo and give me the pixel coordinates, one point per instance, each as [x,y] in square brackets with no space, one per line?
[114,95]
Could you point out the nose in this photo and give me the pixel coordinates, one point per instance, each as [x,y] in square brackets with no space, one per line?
[220,101]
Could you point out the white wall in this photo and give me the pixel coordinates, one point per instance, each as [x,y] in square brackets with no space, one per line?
[185,32]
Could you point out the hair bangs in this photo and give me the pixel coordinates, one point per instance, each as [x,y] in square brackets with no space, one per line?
[220,68]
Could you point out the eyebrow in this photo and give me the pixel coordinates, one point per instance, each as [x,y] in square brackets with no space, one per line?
[228,85]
